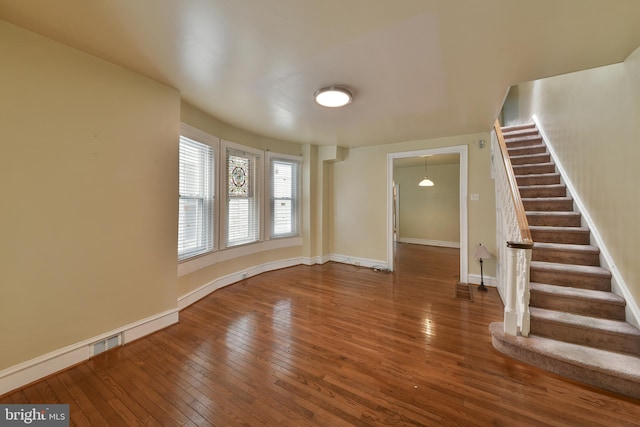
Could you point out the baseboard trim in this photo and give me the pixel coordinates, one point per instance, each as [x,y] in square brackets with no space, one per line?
[35,369]
[488,280]
[618,284]
[426,242]
[321,259]
[196,295]
[360,262]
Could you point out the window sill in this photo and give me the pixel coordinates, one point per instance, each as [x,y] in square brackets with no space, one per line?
[195,264]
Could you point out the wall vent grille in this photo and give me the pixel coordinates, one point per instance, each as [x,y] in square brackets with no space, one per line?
[106,344]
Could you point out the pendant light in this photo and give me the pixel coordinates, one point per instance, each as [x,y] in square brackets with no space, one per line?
[426,182]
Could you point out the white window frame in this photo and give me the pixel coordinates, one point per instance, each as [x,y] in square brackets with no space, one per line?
[258,193]
[295,199]
[197,135]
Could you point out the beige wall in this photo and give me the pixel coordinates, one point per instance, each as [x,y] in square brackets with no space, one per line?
[359,193]
[88,178]
[429,213]
[203,121]
[592,119]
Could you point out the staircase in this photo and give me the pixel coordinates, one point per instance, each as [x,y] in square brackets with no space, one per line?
[578,326]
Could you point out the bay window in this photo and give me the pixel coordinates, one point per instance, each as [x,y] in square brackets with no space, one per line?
[234,200]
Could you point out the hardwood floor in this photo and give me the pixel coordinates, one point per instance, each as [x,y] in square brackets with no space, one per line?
[330,345]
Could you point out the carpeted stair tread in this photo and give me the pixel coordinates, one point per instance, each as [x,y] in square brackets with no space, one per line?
[543,186]
[612,326]
[552,234]
[566,247]
[536,168]
[527,159]
[571,275]
[553,190]
[538,179]
[518,127]
[566,253]
[606,369]
[548,203]
[551,228]
[520,132]
[583,270]
[547,199]
[614,335]
[554,219]
[522,141]
[529,149]
[559,213]
[579,301]
[577,293]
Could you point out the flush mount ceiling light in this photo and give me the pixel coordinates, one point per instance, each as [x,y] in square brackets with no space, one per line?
[333,96]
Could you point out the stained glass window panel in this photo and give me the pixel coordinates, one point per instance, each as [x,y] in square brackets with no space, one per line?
[243,203]
[239,176]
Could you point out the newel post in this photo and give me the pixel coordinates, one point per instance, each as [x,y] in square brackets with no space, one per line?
[510,313]
[525,328]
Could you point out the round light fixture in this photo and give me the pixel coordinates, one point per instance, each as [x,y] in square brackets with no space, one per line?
[333,97]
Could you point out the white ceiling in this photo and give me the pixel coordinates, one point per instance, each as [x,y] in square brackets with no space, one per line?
[418,68]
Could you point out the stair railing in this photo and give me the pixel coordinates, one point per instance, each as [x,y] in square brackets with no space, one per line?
[514,257]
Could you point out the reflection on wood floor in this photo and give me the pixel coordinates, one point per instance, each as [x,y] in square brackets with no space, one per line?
[329,345]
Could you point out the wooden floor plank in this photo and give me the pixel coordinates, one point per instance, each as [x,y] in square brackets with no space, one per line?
[330,344]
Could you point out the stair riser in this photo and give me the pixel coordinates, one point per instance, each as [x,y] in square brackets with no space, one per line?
[585,336]
[548,205]
[522,151]
[549,191]
[508,129]
[534,169]
[577,306]
[538,179]
[554,220]
[571,279]
[519,133]
[577,237]
[530,159]
[565,257]
[522,142]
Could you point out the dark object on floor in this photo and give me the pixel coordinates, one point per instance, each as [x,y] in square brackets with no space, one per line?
[464,291]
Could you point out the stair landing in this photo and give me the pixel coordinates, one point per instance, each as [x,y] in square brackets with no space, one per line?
[613,371]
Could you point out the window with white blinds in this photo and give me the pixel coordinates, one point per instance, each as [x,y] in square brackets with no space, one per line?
[196,199]
[284,206]
[243,176]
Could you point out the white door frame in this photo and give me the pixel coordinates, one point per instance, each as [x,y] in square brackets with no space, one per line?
[462,150]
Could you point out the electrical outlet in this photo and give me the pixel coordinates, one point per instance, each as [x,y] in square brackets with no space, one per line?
[475,197]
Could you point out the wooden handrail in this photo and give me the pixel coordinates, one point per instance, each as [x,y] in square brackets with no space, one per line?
[521,216]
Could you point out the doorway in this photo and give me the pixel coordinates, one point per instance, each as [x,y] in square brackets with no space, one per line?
[462,152]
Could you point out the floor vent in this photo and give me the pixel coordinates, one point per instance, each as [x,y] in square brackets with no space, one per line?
[106,344]
[463,291]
